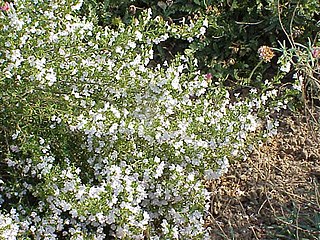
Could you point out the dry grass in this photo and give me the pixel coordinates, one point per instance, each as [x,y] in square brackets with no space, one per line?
[275,193]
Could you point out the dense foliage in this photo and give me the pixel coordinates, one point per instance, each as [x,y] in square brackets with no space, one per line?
[102,136]
[236,28]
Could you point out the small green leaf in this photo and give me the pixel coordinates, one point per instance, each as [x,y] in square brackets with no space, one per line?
[197,2]
[162,5]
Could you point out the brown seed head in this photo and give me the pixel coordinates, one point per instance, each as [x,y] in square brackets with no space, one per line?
[265,53]
[132,9]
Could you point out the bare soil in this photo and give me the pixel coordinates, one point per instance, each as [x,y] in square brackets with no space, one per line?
[275,193]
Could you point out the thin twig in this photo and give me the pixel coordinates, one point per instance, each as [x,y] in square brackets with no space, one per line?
[291,21]
[262,206]
[297,222]
[317,194]
[281,24]
[299,228]
[248,23]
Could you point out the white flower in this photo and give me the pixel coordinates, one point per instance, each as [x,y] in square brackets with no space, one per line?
[62,52]
[120,233]
[146,218]
[285,67]
[16,55]
[41,141]
[136,61]
[95,191]
[189,39]
[132,44]
[15,135]
[51,77]
[298,83]
[138,35]
[8,228]
[115,111]
[119,50]
[53,37]
[14,148]
[205,23]
[40,63]
[159,170]
[15,22]
[202,30]
[157,159]
[77,6]
[175,232]
[264,98]
[175,83]
[164,226]
[81,192]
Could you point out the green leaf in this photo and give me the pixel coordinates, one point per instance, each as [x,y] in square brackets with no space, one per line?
[162,5]
[197,2]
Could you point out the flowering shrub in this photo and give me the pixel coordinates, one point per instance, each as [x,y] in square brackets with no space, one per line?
[97,141]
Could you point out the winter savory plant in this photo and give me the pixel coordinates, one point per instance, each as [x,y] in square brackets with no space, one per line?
[97,142]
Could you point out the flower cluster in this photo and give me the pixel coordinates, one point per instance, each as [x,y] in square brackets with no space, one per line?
[266,53]
[101,143]
[316,52]
[5,7]
[8,228]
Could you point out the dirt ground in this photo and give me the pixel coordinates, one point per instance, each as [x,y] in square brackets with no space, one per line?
[275,193]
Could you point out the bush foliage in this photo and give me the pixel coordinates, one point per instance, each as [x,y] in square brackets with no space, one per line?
[236,28]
